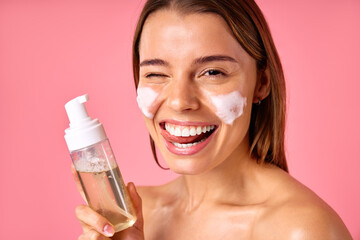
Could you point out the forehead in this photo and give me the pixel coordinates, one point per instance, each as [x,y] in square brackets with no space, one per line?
[167,33]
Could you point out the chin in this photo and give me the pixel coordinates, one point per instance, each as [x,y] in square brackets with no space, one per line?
[189,166]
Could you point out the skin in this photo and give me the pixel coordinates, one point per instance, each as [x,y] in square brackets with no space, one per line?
[222,193]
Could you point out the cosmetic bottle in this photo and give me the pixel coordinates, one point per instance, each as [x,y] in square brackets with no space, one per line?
[96,166]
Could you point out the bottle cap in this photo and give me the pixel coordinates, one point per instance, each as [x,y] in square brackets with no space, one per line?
[83,131]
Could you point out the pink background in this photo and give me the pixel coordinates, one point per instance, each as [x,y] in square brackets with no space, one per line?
[52,51]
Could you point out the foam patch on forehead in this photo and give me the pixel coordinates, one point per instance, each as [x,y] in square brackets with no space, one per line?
[229,106]
[145,98]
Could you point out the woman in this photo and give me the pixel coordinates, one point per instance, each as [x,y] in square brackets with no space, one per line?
[211,88]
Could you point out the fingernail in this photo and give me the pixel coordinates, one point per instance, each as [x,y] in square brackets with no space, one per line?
[108,230]
[131,186]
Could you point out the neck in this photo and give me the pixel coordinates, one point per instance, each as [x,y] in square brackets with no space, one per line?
[234,181]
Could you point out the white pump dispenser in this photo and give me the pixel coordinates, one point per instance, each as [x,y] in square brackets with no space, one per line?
[83,131]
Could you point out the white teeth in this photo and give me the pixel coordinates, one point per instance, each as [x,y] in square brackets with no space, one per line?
[187,145]
[172,131]
[204,129]
[177,132]
[192,131]
[198,130]
[183,131]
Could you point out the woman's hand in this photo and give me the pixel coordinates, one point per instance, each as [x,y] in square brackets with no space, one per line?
[97,227]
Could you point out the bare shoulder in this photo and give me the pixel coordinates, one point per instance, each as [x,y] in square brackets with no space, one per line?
[147,193]
[156,196]
[299,214]
[150,196]
[156,206]
[158,199]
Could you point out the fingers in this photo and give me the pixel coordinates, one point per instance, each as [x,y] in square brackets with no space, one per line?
[92,235]
[139,224]
[97,227]
[91,220]
[135,232]
[77,181]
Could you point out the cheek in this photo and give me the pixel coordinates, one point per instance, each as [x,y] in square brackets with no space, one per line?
[146,99]
[228,106]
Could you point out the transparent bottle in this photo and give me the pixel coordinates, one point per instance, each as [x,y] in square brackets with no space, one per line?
[96,166]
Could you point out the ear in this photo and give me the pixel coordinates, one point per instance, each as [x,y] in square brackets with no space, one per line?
[263,87]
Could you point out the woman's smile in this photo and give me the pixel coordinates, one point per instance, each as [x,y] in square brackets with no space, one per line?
[186,138]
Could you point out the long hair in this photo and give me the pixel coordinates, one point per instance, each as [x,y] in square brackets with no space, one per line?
[247,23]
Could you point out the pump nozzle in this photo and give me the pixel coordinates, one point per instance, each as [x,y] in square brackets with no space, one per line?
[76,110]
[83,130]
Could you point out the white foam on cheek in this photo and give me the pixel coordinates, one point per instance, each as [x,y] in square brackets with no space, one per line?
[145,99]
[229,106]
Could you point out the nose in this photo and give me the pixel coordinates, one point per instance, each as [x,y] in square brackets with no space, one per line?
[183,95]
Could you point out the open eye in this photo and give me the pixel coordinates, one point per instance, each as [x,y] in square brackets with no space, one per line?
[213,76]
[213,72]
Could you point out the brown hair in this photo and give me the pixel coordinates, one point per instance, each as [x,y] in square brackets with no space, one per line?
[245,19]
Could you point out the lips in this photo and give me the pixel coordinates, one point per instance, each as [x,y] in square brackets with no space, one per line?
[186,138]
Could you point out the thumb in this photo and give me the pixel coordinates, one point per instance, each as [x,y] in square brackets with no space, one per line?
[136,200]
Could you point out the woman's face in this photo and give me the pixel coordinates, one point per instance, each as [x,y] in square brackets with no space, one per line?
[196,88]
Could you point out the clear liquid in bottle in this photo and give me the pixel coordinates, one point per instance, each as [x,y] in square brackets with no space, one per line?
[106,196]
[103,185]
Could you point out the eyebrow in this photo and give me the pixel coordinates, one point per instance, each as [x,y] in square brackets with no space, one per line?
[214,58]
[201,60]
[155,61]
